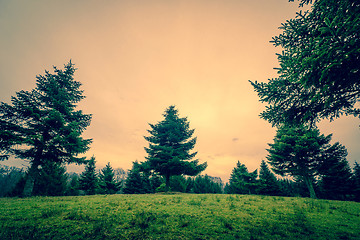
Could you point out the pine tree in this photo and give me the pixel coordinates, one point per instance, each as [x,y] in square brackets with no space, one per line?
[268,184]
[170,143]
[319,69]
[336,174]
[52,180]
[242,181]
[89,181]
[107,182]
[137,182]
[43,126]
[356,181]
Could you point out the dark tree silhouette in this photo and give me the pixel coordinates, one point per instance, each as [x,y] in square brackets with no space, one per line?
[43,125]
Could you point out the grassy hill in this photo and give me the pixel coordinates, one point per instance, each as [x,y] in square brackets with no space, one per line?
[178,216]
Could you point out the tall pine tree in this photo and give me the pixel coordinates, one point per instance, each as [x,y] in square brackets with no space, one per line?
[170,143]
[44,126]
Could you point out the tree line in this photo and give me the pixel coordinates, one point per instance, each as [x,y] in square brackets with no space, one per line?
[318,79]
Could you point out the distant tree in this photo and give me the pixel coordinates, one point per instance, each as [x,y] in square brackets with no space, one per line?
[242,181]
[336,174]
[107,181]
[356,181]
[52,180]
[88,180]
[170,143]
[319,73]
[9,177]
[137,182]
[206,184]
[43,125]
[268,183]
[73,185]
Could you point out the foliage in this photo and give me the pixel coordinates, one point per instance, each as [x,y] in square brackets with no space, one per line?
[242,181]
[51,181]
[43,125]
[73,185]
[336,174]
[107,181]
[206,184]
[299,152]
[170,143]
[356,181]
[9,177]
[89,181]
[180,216]
[268,184]
[319,67]
[137,181]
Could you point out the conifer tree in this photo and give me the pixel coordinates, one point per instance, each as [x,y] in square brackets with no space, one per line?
[43,125]
[242,181]
[88,180]
[268,184]
[137,182]
[170,143]
[356,181]
[107,182]
[52,180]
[336,174]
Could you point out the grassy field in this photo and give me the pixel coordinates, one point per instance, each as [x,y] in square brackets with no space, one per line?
[178,216]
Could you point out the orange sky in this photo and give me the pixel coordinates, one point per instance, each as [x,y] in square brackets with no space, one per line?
[135,58]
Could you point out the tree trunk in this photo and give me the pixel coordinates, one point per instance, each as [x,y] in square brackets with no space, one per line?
[167,182]
[30,181]
[310,187]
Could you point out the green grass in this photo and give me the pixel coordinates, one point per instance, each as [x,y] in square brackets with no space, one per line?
[179,216]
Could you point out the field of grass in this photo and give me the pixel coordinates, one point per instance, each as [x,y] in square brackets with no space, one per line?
[178,216]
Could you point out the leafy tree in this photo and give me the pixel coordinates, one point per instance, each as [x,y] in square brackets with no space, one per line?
[299,152]
[51,181]
[268,184]
[319,75]
[336,174]
[242,181]
[178,183]
[170,143]
[107,182]
[89,181]
[43,126]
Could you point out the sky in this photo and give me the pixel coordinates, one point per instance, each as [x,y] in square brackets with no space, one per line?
[136,58]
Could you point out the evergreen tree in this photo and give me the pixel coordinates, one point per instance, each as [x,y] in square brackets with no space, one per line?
[73,185]
[170,143]
[89,181]
[356,181]
[206,184]
[319,69]
[268,184]
[336,174]
[300,152]
[178,183]
[43,125]
[52,180]
[9,177]
[242,181]
[137,182]
[107,182]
